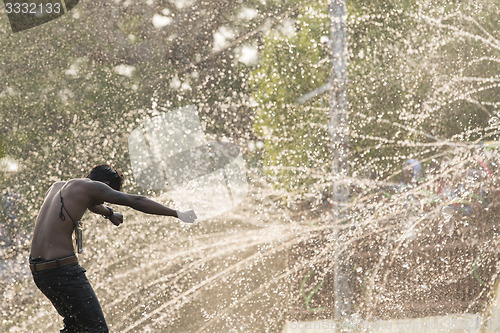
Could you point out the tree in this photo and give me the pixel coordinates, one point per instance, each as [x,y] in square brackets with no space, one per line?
[420,78]
[294,62]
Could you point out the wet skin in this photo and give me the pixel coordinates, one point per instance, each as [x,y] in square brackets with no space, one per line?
[52,237]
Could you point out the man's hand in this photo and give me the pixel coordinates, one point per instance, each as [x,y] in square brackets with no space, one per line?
[116,219]
[188,216]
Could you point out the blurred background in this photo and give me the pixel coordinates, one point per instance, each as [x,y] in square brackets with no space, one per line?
[373,181]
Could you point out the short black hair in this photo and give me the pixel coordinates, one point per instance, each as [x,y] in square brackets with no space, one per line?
[106,173]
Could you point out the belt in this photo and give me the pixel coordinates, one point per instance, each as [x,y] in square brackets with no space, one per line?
[56,263]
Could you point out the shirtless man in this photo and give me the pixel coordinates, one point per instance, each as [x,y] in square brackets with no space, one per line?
[53,262]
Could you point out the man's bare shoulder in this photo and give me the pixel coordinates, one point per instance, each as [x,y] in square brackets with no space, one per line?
[84,184]
[76,184]
[86,189]
[92,187]
[55,186]
[68,183]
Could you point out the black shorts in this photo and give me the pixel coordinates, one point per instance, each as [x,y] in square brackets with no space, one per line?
[72,295]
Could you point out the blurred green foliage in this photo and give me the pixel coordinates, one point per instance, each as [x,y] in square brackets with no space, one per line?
[421,80]
[296,138]
[2,148]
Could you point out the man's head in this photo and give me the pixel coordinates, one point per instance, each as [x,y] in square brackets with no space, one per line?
[107,174]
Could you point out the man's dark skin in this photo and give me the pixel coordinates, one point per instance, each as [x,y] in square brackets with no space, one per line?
[52,237]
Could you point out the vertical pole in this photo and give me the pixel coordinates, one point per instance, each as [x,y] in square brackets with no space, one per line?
[339,131]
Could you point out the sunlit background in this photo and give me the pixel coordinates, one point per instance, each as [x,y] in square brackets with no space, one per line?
[372,200]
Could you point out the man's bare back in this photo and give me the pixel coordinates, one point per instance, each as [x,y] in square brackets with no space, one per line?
[52,237]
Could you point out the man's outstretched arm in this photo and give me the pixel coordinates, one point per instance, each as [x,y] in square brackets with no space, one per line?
[103,192]
[146,205]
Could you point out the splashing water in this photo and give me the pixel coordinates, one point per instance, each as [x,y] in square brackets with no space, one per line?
[418,238]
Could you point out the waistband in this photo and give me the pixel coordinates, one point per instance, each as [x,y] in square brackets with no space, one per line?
[55,263]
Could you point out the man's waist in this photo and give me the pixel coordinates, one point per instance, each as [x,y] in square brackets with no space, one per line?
[54,263]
